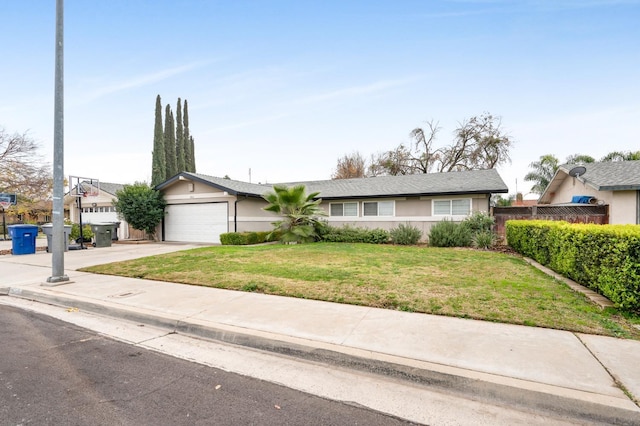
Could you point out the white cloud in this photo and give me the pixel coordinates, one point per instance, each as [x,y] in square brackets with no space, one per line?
[134,82]
[355,91]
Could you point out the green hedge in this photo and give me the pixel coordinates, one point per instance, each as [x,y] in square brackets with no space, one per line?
[351,234]
[247,238]
[605,258]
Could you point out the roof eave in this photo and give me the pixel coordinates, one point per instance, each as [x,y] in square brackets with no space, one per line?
[416,194]
[191,177]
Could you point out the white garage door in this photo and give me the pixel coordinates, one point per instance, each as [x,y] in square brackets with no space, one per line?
[196,223]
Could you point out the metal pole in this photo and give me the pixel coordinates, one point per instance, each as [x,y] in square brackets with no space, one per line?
[57,238]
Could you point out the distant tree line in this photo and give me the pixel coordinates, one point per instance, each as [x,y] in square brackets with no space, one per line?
[173,145]
[478,143]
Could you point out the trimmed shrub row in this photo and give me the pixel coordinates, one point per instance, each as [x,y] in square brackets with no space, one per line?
[246,238]
[351,234]
[605,258]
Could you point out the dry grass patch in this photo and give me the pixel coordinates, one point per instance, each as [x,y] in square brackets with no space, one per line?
[464,283]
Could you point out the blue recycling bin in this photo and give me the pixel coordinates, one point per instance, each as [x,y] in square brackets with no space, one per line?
[23,238]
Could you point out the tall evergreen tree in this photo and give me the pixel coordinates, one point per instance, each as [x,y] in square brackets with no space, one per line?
[180,151]
[188,153]
[170,142]
[192,149]
[159,159]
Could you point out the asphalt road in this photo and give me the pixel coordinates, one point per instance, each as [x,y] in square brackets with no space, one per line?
[52,372]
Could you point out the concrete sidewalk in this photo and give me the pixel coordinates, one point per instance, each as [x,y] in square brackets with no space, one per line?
[575,376]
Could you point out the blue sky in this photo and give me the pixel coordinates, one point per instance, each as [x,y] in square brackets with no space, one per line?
[285,88]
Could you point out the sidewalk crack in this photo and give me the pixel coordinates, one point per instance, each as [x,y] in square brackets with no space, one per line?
[617,382]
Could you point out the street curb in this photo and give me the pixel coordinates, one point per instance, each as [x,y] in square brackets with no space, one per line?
[519,394]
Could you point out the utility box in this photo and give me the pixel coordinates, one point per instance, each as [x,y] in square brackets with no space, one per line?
[47,229]
[102,234]
[23,238]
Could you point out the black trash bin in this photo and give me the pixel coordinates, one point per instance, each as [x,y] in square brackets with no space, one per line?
[101,234]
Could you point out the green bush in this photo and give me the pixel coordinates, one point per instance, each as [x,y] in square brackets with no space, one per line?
[87,233]
[449,234]
[605,258]
[350,234]
[247,238]
[483,240]
[405,235]
[479,222]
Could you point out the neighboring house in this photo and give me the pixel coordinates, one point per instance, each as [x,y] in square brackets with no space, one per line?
[200,207]
[615,184]
[97,209]
[38,212]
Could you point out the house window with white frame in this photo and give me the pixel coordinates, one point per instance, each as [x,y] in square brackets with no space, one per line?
[456,207]
[378,208]
[343,209]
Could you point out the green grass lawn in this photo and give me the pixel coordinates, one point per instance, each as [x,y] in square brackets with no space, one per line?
[456,282]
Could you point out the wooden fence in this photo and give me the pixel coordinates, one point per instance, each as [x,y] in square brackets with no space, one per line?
[573,214]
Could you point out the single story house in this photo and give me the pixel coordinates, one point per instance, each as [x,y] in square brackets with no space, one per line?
[200,207]
[98,208]
[615,184]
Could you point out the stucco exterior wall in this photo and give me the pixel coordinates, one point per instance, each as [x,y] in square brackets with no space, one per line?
[251,216]
[623,205]
[571,186]
[624,208]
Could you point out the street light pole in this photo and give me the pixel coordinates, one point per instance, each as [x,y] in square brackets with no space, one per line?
[57,237]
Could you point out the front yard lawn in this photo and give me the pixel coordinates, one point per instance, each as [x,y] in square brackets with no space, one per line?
[464,283]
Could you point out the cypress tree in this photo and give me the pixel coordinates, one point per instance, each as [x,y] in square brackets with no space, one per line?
[158,157]
[192,149]
[180,151]
[170,143]
[188,154]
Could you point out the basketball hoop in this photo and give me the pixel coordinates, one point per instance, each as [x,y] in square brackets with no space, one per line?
[81,187]
[7,200]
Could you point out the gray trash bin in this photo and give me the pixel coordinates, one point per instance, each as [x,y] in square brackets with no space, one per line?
[101,234]
[47,229]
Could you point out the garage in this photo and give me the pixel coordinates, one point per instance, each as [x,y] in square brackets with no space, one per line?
[196,223]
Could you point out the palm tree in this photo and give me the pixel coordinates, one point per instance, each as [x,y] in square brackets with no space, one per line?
[622,156]
[543,172]
[580,159]
[300,213]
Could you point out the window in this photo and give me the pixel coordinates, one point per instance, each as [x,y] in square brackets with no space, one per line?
[378,208]
[343,209]
[460,207]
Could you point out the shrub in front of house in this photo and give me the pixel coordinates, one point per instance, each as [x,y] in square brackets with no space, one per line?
[351,234]
[405,235]
[483,240]
[87,233]
[479,222]
[247,238]
[605,258]
[447,233]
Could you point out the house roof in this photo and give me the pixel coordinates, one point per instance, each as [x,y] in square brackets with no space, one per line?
[452,183]
[111,188]
[601,176]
